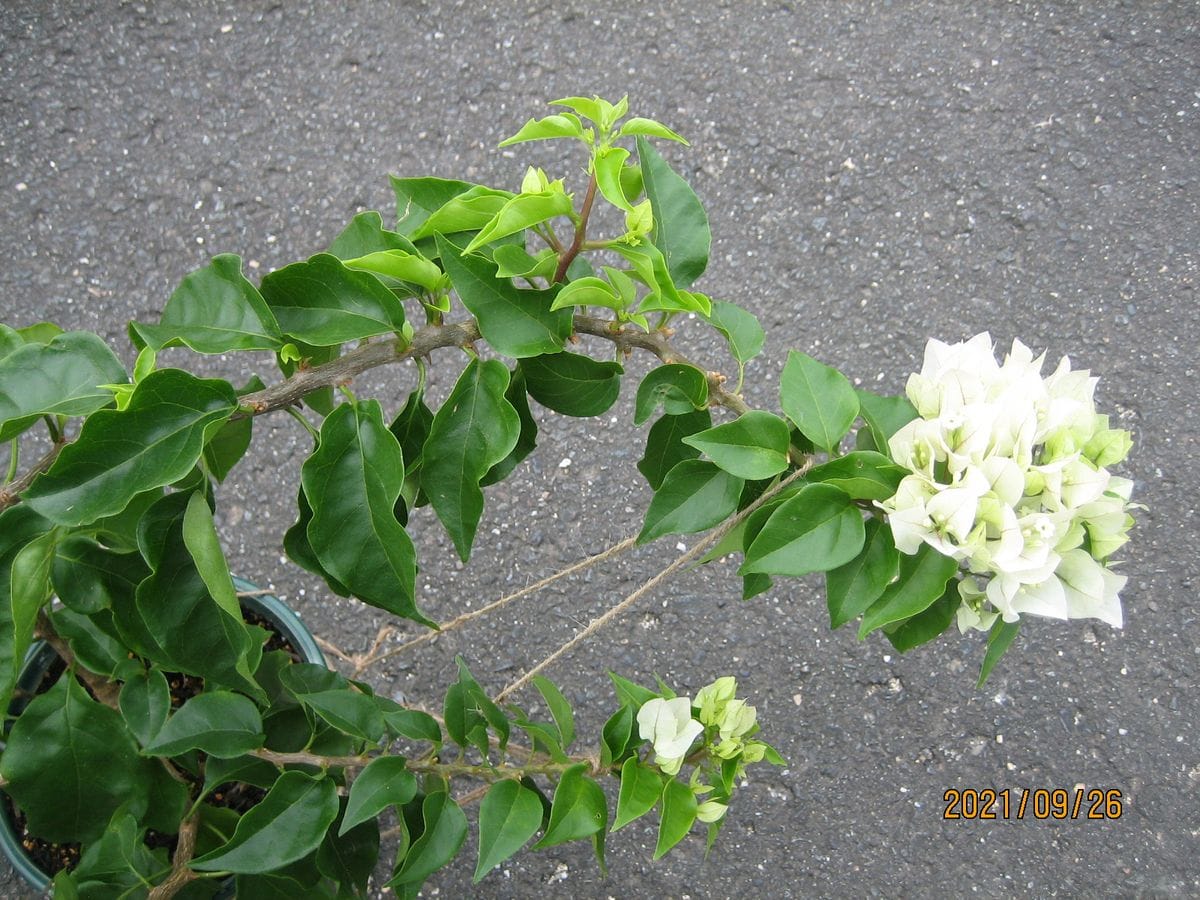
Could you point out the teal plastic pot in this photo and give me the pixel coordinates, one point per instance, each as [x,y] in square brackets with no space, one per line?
[42,655]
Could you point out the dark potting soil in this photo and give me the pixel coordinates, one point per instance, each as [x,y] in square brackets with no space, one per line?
[52,858]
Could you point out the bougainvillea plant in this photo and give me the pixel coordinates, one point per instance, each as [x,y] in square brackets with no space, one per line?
[982,497]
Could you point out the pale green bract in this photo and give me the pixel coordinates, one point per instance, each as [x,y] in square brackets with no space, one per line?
[1009,477]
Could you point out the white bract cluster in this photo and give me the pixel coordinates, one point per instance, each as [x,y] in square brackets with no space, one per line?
[1010,477]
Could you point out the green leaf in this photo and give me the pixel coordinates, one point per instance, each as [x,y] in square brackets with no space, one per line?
[560,709]
[884,416]
[854,586]
[39,333]
[588,291]
[117,455]
[678,815]
[818,399]
[287,825]
[516,322]
[352,481]
[650,267]
[665,448]
[508,817]
[649,128]
[572,384]
[418,198]
[513,261]
[694,496]
[219,723]
[335,700]
[630,692]
[517,395]
[680,225]
[411,429]
[214,310]
[69,763]
[619,736]
[28,590]
[480,701]
[641,788]
[200,538]
[64,377]
[349,857]
[464,725]
[678,389]
[521,212]
[474,430]
[921,580]
[119,860]
[816,530]
[1000,638]
[18,526]
[579,809]
[863,474]
[752,446]
[926,625]
[324,303]
[412,723]
[300,551]
[608,164]
[386,781]
[741,330]
[228,445]
[443,836]
[562,125]
[366,234]
[95,642]
[145,701]
[10,340]
[469,211]
[403,265]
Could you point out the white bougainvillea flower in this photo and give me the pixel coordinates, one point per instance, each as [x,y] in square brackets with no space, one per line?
[669,725]
[711,699]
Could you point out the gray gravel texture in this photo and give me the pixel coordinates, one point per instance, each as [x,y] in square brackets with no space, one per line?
[875,173]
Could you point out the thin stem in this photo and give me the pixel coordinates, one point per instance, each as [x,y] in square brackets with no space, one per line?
[698,550]
[52,426]
[13,459]
[459,621]
[303,420]
[483,771]
[565,259]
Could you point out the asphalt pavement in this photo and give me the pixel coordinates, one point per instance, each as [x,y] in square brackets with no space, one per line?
[875,174]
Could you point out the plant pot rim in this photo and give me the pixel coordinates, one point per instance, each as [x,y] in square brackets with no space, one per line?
[267,605]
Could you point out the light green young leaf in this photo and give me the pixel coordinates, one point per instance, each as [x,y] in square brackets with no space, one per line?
[607,166]
[468,211]
[693,497]
[681,229]
[401,265]
[517,323]
[649,128]
[820,400]
[741,329]
[561,125]
[588,291]
[513,261]
[816,530]
[214,310]
[474,430]
[753,446]
[509,816]
[521,212]
[155,442]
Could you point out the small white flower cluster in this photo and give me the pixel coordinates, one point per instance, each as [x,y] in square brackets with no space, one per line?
[1010,478]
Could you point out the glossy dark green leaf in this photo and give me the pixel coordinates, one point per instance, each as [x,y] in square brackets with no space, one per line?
[200,538]
[820,400]
[641,788]
[921,580]
[119,861]
[152,443]
[572,384]
[366,234]
[517,395]
[322,302]
[753,446]
[579,809]
[741,329]
[1000,638]
[469,211]
[619,735]
[418,198]
[287,825]
[515,322]
[542,735]
[385,782]
[854,586]
[630,692]
[349,857]
[214,310]
[678,815]
[521,212]
[352,481]
[227,446]
[681,229]
[509,816]
[928,624]
[816,530]
[414,724]
[69,763]
[863,474]
[59,378]
[474,430]
[218,723]
[678,389]
[25,562]
[411,429]
[348,710]
[884,416]
[95,642]
[443,836]
[245,769]
[665,448]
[464,724]
[480,701]
[560,709]
[694,496]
